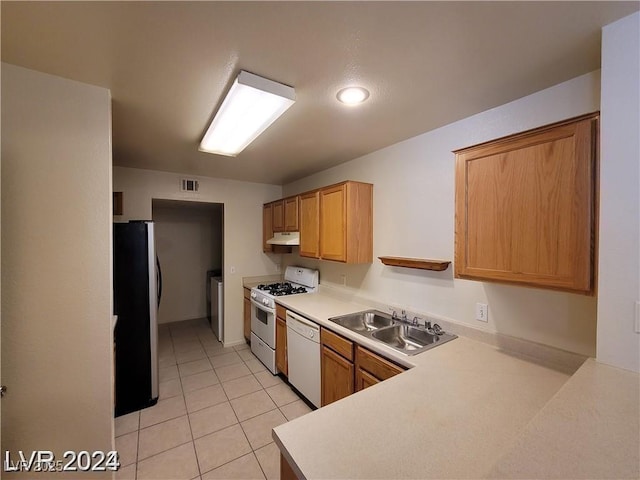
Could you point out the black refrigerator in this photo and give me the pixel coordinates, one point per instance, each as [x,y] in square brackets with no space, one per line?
[136,296]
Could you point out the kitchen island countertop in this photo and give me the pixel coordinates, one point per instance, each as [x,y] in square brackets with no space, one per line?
[467,410]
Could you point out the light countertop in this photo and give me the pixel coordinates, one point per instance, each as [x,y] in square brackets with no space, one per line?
[467,410]
[589,429]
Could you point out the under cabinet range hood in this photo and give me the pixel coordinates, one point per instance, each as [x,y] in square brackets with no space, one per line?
[285,238]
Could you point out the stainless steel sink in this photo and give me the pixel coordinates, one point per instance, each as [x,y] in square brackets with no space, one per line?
[405,337]
[364,321]
[396,334]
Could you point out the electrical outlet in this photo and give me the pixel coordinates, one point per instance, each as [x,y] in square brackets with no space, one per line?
[482,312]
[277,267]
[637,325]
[343,278]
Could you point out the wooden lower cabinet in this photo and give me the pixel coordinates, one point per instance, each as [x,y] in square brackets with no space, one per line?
[281,346]
[336,365]
[348,368]
[247,315]
[282,359]
[364,379]
[337,376]
[372,368]
[286,472]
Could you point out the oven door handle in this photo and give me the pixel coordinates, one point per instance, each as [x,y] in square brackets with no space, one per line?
[262,307]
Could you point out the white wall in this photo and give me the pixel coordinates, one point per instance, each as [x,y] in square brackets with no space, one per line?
[242,226]
[619,280]
[414,217]
[56,264]
[188,243]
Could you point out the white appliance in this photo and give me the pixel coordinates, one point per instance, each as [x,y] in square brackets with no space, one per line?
[297,280]
[217,315]
[303,350]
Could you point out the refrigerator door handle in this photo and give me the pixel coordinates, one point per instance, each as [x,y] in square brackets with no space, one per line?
[159,279]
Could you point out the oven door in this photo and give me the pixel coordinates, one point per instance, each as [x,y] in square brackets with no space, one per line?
[263,323]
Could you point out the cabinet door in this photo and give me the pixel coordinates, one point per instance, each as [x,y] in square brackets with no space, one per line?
[281,346]
[337,377]
[364,379]
[309,225]
[291,214]
[526,208]
[278,216]
[333,222]
[267,226]
[378,367]
[247,319]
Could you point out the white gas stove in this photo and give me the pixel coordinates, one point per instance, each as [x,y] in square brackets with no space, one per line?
[297,281]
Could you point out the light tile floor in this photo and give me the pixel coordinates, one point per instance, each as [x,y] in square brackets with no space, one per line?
[214,417]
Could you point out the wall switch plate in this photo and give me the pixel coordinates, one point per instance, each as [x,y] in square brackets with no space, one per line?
[232,270]
[637,323]
[343,278]
[277,267]
[482,312]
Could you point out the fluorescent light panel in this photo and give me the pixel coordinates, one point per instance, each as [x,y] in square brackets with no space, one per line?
[252,104]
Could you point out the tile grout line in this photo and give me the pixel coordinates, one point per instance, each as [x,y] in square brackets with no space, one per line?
[195,332]
[193,440]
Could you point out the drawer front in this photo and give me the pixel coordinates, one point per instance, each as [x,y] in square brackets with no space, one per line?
[337,343]
[281,312]
[376,365]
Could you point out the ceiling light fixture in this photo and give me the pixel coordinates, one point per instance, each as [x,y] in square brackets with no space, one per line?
[251,105]
[353,95]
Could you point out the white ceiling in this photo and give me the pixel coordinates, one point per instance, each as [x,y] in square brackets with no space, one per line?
[427,64]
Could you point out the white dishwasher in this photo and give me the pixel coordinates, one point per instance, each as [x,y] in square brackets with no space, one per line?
[303,352]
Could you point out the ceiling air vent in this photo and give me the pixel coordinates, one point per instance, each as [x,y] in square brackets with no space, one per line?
[189,185]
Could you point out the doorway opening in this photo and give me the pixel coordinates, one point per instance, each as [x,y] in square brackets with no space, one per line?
[190,248]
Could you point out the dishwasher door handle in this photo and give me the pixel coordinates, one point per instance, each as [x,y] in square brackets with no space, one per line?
[302,320]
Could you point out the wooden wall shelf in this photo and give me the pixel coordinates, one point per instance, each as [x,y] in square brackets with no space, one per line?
[421,263]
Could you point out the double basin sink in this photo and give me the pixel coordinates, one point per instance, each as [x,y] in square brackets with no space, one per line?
[401,336]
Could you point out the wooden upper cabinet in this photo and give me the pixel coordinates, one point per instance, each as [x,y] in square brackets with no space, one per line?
[291,214]
[278,216]
[310,224]
[526,208]
[346,222]
[333,223]
[267,226]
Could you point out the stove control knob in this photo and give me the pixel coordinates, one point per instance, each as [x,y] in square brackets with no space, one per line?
[253,295]
[265,301]
[311,334]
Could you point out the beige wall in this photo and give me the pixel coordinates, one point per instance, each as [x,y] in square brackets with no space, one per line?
[188,243]
[242,226]
[56,264]
[619,275]
[414,217]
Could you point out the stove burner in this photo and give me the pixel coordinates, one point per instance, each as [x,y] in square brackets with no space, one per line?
[280,289]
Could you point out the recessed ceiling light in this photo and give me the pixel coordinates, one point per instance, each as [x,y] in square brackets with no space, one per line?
[353,95]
